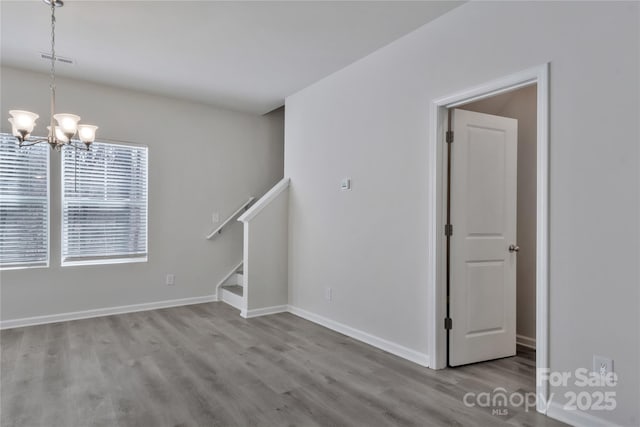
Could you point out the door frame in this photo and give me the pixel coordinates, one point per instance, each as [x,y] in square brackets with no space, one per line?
[437,213]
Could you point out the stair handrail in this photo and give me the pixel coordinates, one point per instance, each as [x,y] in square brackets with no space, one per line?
[265,200]
[242,208]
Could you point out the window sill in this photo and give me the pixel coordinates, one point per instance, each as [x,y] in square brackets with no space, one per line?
[105,261]
[24,266]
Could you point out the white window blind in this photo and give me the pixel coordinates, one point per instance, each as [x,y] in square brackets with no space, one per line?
[24,204]
[104,204]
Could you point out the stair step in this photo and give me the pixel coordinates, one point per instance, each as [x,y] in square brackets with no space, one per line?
[234,289]
[234,279]
[232,295]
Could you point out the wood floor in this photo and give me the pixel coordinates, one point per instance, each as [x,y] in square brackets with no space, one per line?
[203,365]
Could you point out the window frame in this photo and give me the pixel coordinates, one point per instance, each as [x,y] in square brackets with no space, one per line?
[106,259]
[47,262]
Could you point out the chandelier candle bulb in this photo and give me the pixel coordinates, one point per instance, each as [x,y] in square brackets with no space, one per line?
[24,119]
[16,132]
[22,122]
[60,136]
[87,133]
[68,123]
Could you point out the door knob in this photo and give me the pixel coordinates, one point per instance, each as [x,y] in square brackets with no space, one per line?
[514,248]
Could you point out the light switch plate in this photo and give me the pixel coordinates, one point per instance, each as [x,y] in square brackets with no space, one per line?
[345,184]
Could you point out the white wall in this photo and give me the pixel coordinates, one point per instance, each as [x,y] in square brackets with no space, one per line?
[521,105]
[201,160]
[266,253]
[370,121]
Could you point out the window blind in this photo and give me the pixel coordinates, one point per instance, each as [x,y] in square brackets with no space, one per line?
[24,204]
[104,204]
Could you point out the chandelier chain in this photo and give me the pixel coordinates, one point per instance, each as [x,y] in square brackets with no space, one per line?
[52,84]
[53,45]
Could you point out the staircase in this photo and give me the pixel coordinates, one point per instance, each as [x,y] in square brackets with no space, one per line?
[232,289]
[258,285]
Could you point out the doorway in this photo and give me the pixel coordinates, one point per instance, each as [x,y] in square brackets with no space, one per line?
[538,79]
[519,105]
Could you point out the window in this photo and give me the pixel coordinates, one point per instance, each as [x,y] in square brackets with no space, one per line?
[24,204]
[104,204]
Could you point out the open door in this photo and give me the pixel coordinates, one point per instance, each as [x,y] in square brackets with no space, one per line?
[483,244]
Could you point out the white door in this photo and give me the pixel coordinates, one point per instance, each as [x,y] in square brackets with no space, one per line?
[483,216]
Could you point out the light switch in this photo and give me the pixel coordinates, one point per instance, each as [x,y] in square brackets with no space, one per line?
[345,184]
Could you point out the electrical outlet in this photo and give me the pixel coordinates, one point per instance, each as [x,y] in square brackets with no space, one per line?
[327,294]
[602,365]
[215,217]
[171,279]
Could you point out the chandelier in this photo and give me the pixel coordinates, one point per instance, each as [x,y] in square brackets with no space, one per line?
[23,122]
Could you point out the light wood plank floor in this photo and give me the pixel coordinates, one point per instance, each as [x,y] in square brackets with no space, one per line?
[203,365]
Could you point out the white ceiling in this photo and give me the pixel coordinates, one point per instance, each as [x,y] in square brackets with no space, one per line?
[241,55]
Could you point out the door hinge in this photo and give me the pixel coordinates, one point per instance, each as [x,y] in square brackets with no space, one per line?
[448,323]
[448,230]
[449,136]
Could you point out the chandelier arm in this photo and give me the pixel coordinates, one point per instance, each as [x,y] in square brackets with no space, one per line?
[33,141]
[78,145]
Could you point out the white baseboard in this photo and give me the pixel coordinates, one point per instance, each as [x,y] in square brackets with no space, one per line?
[99,312]
[575,417]
[264,311]
[526,341]
[388,346]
